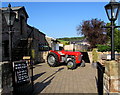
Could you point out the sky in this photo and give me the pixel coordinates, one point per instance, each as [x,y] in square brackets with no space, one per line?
[60,19]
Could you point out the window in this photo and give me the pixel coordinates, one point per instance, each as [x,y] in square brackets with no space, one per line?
[43,47]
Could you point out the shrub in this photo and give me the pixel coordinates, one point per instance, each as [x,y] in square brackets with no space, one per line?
[94,55]
[103,48]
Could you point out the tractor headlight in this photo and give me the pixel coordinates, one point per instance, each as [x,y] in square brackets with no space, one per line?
[73,56]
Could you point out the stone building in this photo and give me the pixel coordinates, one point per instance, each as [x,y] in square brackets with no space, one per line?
[24,37]
[81,45]
[37,44]
[52,42]
[19,30]
[26,41]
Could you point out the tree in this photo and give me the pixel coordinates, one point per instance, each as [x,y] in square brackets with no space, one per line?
[92,30]
[117,40]
[116,37]
[103,48]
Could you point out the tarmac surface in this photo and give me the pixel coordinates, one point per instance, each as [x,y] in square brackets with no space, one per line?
[62,80]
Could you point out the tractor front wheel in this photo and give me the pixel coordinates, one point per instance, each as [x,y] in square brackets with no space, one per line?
[71,64]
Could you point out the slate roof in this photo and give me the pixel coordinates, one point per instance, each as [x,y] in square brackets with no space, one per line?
[16,9]
[36,29]
[13,8]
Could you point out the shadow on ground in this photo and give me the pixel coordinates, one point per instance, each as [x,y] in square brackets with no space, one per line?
[78,65]
[37,76]
[40,86]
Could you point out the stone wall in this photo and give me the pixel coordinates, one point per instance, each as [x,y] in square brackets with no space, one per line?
[112,76]
[77,47]
[6,78]
[69,47]
[22,31]
[102,55]
[43,56]
[38,40]
[19,30]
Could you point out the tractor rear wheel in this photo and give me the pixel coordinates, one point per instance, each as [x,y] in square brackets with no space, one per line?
[52,60]
[71,64]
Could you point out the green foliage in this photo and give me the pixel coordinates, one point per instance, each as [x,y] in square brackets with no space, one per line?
[103,48]
[92,30]
[71,38]
[64,42]
[117,40]
[116,37]
[94,55]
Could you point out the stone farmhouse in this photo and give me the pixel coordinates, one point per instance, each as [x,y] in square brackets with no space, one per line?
[81,45]
[26,40]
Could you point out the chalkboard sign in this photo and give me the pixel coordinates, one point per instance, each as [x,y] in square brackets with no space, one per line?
[21,72]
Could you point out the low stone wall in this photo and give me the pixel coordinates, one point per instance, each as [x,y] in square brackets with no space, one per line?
[112,76]
[102,55]
[42,56]
[45,55]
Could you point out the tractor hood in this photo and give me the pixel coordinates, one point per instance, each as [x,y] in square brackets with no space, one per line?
[71,52]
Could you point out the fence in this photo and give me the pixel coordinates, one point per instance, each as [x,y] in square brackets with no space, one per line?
[100,73]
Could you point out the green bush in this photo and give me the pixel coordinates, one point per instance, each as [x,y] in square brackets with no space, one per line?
[103,48]
[94,55]
[117,49]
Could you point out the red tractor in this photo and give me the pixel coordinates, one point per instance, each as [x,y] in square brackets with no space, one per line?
[54,58]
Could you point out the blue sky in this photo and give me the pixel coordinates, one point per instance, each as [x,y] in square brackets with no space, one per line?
[60,19]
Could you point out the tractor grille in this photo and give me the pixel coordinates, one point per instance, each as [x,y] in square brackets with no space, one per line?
[79,57]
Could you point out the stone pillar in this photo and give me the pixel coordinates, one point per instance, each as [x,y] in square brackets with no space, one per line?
[112,77]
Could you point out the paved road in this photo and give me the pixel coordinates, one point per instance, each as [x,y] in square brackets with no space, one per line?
[61,80]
